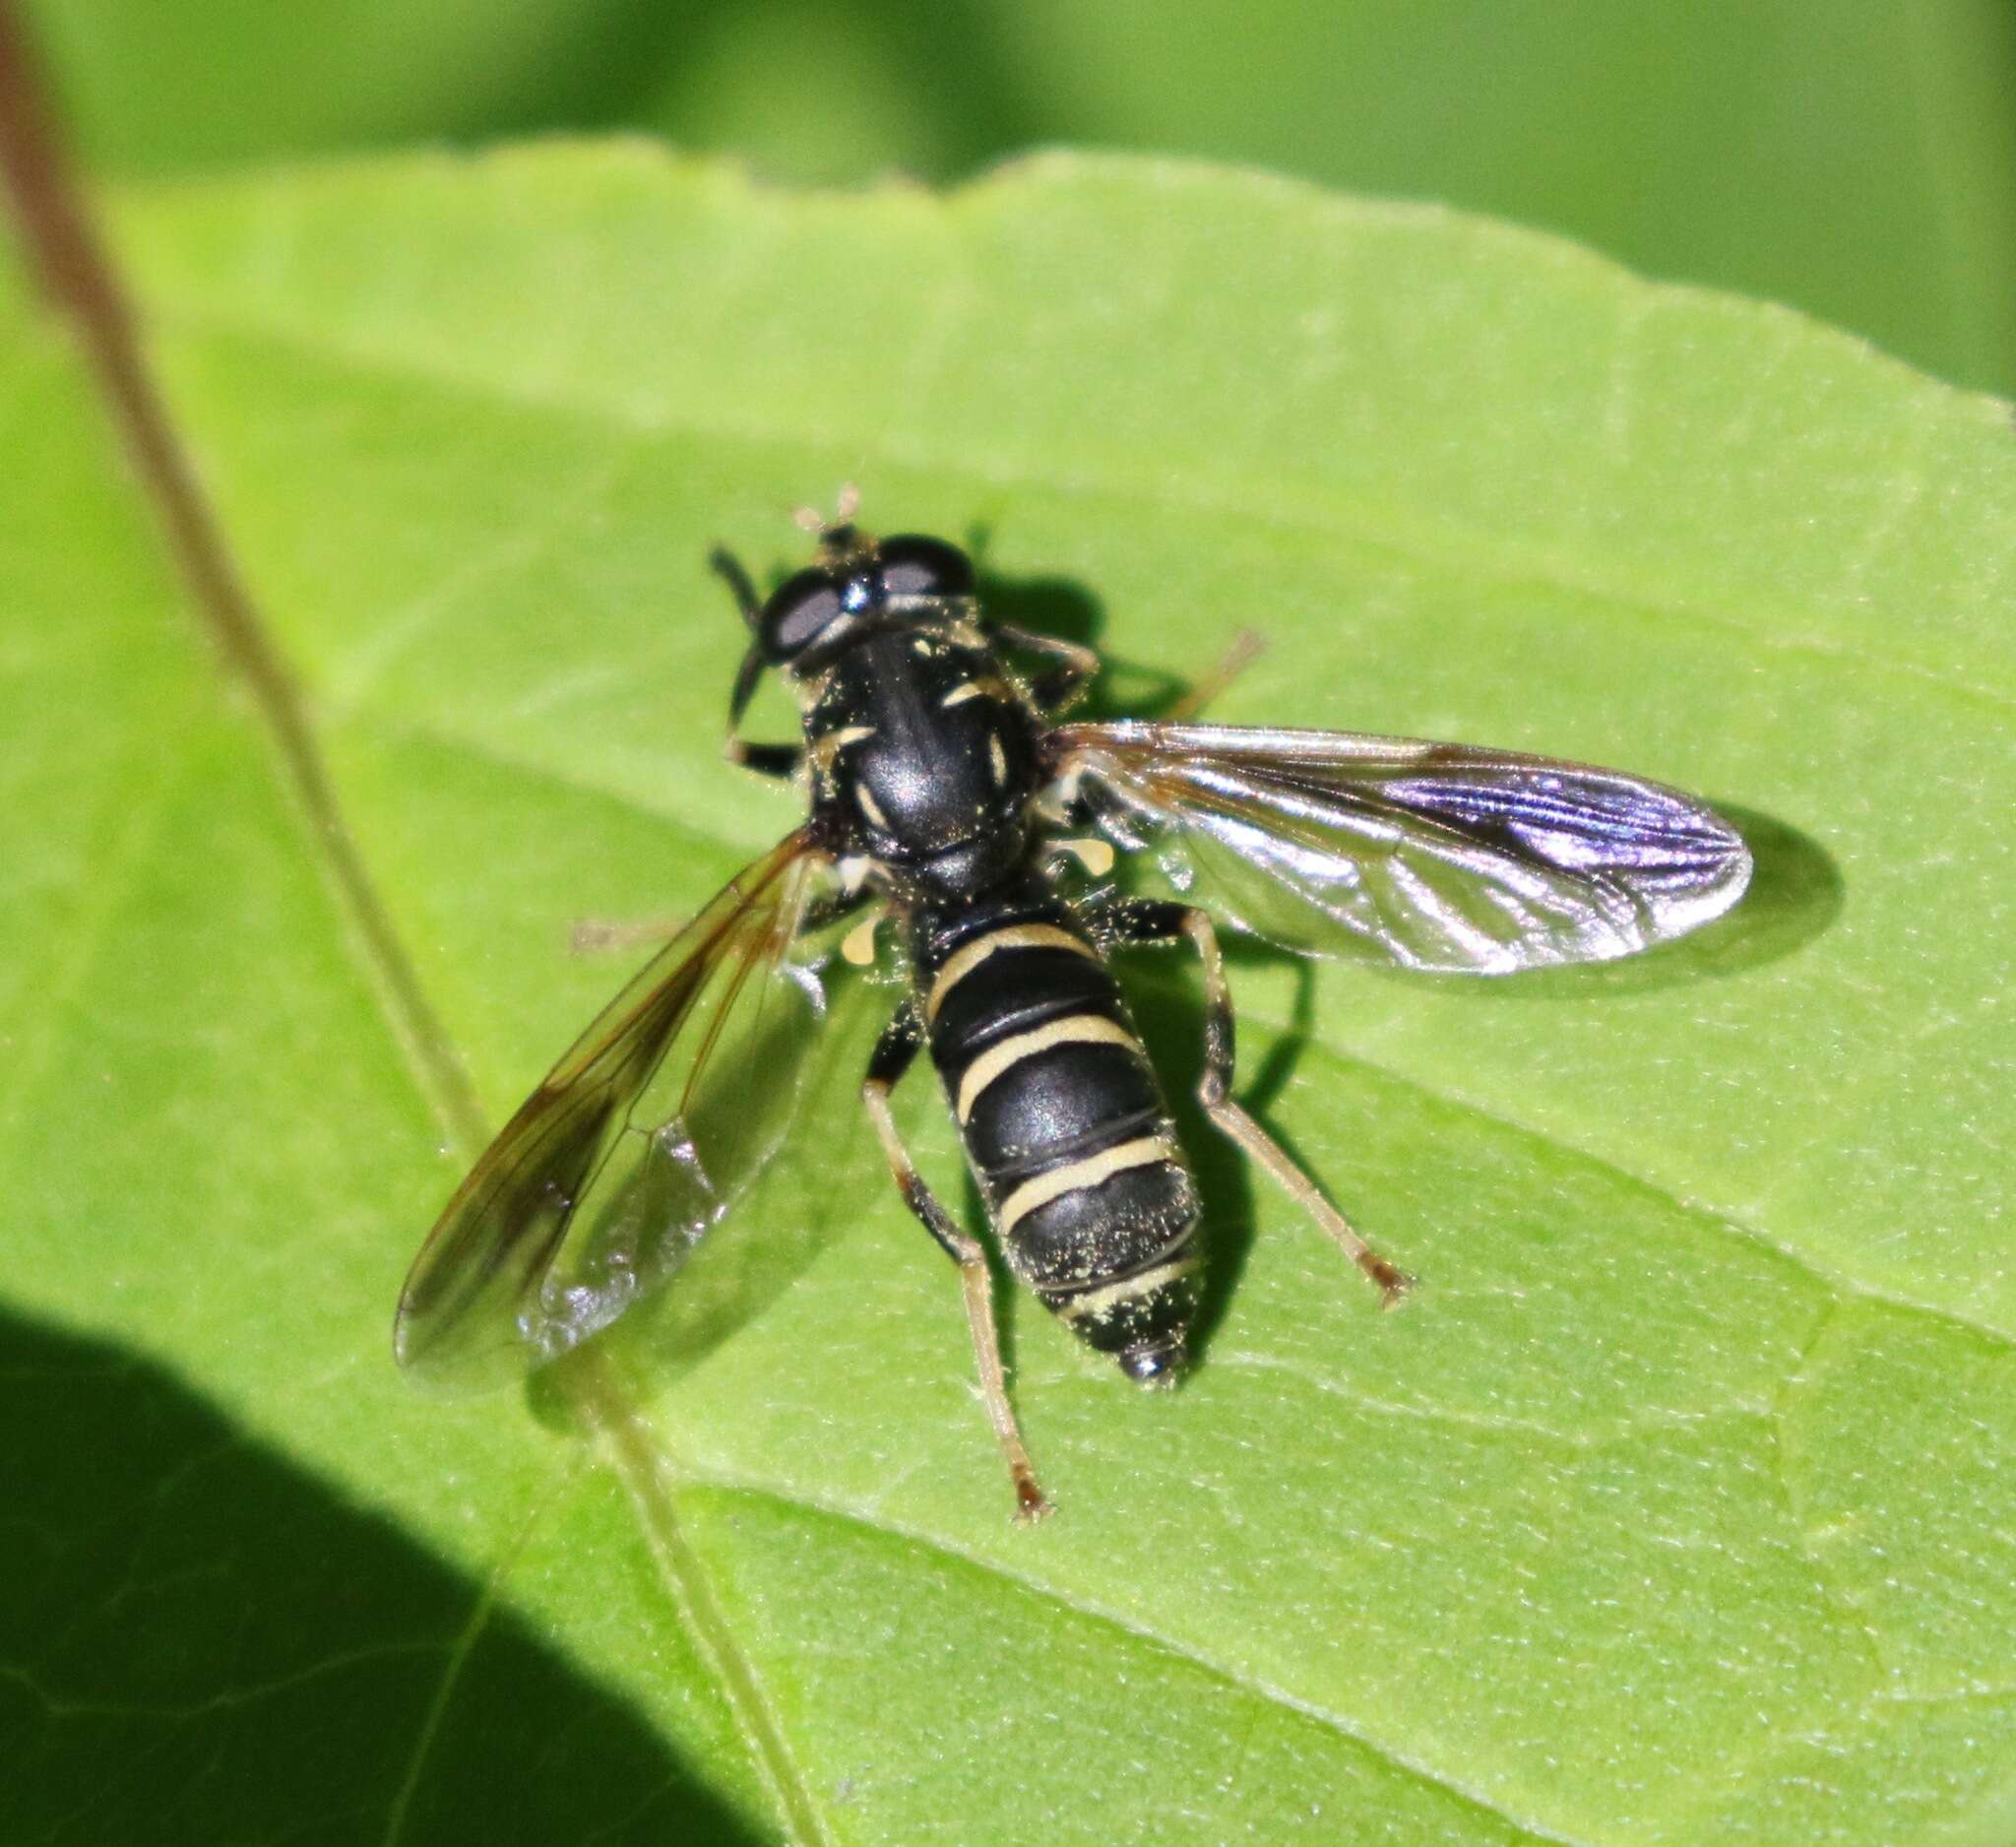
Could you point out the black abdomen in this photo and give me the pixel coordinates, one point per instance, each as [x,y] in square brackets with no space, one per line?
[1062,1118]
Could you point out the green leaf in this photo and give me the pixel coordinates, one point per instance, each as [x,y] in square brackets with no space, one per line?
[1675,1507]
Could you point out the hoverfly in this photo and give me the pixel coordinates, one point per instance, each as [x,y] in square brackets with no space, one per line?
[943,787]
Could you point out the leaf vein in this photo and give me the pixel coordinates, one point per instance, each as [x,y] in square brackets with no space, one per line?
[940,1547]
[1491,557]
[1713,1217]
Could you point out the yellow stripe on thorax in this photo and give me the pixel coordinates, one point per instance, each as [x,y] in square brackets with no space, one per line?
[981,686]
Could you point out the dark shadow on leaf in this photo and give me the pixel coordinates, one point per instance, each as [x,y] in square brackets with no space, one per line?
[1048,605]
[1065,609]
[1169,1010]
[200,1641]
[1170,1015]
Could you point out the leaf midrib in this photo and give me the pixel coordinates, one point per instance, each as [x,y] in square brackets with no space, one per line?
[186,526]
[940,1548]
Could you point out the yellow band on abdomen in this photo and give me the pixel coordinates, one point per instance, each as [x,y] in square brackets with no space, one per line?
[1142,1152]
[1079,1029]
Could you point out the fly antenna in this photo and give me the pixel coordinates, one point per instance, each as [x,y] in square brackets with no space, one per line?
[846,505]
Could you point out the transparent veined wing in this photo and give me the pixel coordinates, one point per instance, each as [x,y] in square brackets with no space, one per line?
[637,1142]
[1431,856]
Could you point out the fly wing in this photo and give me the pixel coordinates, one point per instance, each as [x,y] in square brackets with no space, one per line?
[1429,856]
[638,1141]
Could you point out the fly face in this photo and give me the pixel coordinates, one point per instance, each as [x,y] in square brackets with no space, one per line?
[858,584]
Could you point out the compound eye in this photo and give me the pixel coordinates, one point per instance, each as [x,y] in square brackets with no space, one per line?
[798,612]
[915,566]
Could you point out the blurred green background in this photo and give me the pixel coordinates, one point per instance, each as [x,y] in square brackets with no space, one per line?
[1855,158]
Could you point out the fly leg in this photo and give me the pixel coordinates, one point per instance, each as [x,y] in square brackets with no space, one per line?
[780,760]
[893,1052]
[729,569]
[1150,922]
[1064,685]
[1246,647]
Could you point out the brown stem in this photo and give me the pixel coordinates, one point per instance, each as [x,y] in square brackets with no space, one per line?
[69,260]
